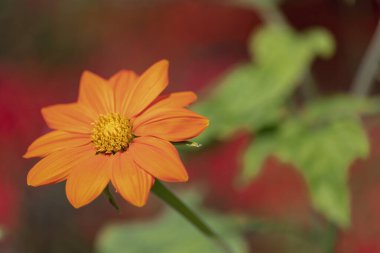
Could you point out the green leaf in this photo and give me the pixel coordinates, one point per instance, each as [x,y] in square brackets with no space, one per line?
[323,154]
[252,96]
[169,233]
[111,199]
[322,141]
[255,155]
[280,45]
[340,106]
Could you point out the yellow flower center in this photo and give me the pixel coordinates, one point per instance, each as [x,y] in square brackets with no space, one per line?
[111,133]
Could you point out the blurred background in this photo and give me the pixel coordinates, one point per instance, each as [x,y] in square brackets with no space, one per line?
[290,163]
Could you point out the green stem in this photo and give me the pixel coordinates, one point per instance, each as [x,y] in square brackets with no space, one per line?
[272,15]
[172,200]
[332,233]
[369,66]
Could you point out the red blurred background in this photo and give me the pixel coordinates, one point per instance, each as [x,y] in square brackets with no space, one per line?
[44,47]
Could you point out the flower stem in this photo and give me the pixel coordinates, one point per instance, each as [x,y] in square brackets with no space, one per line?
[172,200]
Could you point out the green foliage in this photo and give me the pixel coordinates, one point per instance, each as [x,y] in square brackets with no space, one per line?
[169,233]
[321,141]
[255,155]
[252,96]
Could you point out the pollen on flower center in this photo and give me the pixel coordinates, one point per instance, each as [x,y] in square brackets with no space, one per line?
[111,133]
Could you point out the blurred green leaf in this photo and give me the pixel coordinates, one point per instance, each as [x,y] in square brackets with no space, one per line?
[111,199]
[281,45]
[323,155]
[255,155]
[169,233]
[252,96]
[340,106]
[322,142]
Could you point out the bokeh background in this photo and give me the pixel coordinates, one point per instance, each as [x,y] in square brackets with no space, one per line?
[45,46]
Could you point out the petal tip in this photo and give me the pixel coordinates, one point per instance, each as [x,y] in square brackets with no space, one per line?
[75,203]
[163,62]
[139,204]
[186,178]
[29,154]
[30,181]
[76,206]
[183,177]
[162,65]
[87,73]
[193,96]
[43,110]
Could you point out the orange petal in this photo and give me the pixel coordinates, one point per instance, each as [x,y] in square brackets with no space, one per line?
[55,141]
[132,182]
[88,180]
[69,117]
[96,93]
[123,84]
[159,158]
[55,167]
[170,124]
[173,100]
[148,86]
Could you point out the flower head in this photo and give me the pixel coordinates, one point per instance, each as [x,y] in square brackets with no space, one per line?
[120,131]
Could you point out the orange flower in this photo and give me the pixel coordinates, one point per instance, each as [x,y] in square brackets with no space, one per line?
[119,130]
